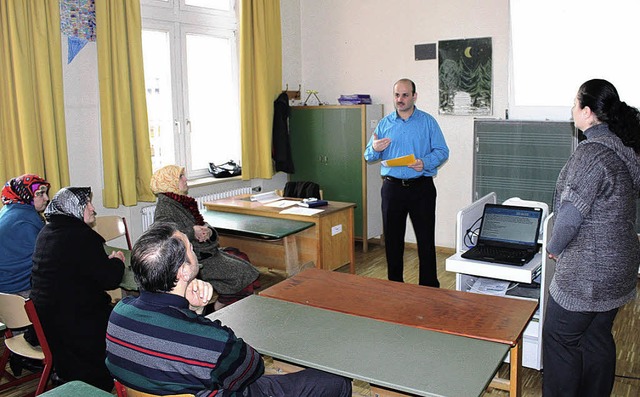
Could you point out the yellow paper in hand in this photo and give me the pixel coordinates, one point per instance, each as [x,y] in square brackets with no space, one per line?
[400,161]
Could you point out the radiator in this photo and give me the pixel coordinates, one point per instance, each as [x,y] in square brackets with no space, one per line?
[149,211]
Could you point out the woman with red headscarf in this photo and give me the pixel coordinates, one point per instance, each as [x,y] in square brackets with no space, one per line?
[24,198]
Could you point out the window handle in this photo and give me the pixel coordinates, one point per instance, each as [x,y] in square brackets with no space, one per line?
[176,126]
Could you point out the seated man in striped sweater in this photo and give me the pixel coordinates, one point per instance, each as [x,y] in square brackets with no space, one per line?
[159,343]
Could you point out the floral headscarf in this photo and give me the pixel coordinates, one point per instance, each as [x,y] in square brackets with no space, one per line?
[22,189]
[69,201]
[167,180]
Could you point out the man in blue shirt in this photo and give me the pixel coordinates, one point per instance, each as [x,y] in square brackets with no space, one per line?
[409,190]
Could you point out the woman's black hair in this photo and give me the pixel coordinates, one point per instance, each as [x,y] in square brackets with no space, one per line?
[603,100]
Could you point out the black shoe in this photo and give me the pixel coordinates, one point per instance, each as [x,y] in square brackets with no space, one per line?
[56,380]
[18,363]
[15,365]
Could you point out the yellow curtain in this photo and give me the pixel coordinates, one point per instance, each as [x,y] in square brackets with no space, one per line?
[260,83]
[126,152]
[32,128]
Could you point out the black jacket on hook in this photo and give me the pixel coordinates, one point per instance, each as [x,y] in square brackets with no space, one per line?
[281,147]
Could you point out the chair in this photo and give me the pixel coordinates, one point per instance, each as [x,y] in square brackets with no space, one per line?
[124,391]
[302,189]
[18,312]
[111,227]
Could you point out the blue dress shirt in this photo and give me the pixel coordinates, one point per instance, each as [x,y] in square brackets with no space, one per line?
[419,135]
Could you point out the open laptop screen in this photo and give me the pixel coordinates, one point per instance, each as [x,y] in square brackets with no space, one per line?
[510,224]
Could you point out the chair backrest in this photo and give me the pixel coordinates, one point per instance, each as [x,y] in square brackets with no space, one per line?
[111,227]
[302,189]
[124,391]
[12,312]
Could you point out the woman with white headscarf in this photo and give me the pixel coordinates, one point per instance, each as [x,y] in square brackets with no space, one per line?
[71,273]
[231,277]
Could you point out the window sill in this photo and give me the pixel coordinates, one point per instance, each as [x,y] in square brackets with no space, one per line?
[199,182]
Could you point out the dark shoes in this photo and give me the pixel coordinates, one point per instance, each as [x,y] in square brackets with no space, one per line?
[18,363]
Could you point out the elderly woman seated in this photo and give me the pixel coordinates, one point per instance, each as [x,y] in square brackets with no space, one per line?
[231,277]
[71,273]
[24,198]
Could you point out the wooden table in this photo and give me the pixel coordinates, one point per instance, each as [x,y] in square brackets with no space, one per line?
[483,317]
[328,245]
[398,357]
[263,238]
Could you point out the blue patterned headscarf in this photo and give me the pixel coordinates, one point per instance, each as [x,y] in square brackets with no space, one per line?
[69,201]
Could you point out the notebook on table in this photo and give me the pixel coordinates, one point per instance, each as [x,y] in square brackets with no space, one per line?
[508,234]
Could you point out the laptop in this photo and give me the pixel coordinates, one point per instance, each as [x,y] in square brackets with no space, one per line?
[508,234]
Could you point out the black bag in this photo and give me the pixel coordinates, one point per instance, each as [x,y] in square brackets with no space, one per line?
[226,170]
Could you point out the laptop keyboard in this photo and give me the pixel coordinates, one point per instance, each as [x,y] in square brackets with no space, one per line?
[496,252]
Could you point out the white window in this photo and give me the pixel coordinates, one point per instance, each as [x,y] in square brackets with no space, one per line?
[191,77]
[558,45]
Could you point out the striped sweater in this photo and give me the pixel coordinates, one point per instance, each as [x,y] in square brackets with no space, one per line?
[157,345]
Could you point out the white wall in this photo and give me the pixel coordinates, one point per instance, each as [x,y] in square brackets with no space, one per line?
[336,47]
[364,46]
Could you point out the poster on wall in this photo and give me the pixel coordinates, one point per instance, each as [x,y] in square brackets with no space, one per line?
[465,77]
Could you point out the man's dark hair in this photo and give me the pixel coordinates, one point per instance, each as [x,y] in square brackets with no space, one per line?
[156,258]
[405,80]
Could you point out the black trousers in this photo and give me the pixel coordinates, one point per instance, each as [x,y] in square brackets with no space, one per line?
[305,383]
[416,198]
[579,352]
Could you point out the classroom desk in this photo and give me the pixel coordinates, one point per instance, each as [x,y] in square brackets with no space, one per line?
[402,358]
[476,316]
[264,239]
[76,388]
[328,245]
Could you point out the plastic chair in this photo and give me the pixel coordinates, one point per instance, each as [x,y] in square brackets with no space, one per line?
[18,312]
[111,227]
[124,391]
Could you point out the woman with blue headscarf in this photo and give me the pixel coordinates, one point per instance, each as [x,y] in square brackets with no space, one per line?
[71,273]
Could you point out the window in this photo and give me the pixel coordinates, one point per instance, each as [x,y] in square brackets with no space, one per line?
[191,77]
[558,45]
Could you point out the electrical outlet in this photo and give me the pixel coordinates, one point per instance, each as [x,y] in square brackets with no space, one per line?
[256,189]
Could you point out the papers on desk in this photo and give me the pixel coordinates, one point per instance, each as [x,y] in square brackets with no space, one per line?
[282,203]
[265,197]
[301,211]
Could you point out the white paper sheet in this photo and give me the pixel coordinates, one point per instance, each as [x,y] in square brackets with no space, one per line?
[301,211]
[282,203]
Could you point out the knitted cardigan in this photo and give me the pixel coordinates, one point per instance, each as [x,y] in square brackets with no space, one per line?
[597,271]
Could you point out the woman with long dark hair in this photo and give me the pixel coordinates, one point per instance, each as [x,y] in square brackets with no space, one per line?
[595,244]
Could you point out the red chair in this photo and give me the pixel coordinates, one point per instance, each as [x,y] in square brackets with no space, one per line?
[18,312]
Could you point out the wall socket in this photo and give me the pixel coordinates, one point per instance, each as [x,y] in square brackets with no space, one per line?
[256,189]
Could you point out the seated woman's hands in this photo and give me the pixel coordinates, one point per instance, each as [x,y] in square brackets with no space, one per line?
[117,254]
[198,294]
[202,233]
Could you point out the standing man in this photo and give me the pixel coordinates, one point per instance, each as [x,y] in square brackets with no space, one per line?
[409,189]
[158,343]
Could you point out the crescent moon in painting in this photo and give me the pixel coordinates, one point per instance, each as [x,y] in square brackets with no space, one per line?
[467,52]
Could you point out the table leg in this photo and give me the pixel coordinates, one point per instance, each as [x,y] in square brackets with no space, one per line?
[291,258]
[515,370]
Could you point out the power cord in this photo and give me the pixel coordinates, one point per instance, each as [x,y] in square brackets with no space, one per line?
[471,235]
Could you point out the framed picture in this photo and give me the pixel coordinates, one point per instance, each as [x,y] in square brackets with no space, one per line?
[465,76]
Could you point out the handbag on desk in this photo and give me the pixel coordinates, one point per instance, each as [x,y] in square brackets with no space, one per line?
[226,170]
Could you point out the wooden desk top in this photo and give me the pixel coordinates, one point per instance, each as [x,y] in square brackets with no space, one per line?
[253,225]
[402,358]
[243,205]
[491,318]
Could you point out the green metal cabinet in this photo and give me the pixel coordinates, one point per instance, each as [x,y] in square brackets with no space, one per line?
[327,145]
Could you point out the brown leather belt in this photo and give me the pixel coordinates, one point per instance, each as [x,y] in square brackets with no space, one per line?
[407,182]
